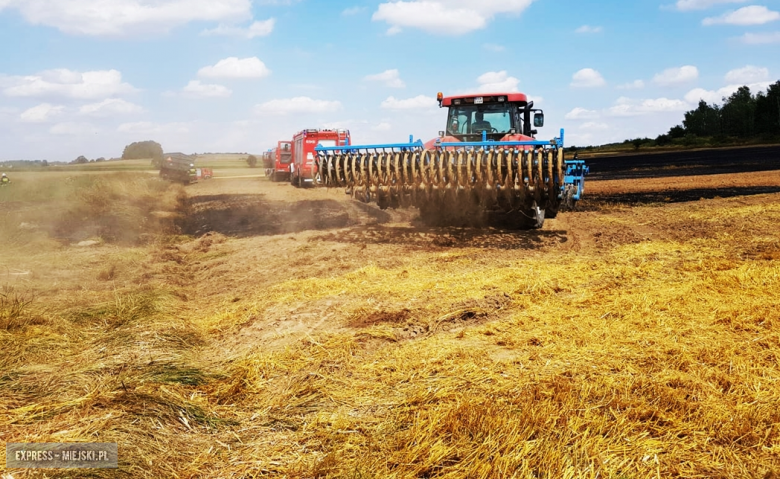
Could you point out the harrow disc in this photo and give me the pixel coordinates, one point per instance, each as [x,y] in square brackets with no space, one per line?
[450,185]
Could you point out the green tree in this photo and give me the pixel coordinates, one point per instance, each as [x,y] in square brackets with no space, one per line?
[144,149]
[768,111]
[738,113]
[703,121]
[676,132]
[663,140]
[252,161]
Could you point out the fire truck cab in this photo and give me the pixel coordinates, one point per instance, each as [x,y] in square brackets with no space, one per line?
[281,157]
[303,171]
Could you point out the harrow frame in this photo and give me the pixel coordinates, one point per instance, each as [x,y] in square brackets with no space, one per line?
[530,178]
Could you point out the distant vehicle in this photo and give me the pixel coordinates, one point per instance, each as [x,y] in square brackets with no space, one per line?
[281,158]
[268,162]
[304,169]
[179,168]
[204,173]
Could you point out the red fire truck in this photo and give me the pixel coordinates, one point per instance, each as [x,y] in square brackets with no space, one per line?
[303,171]
[281,158]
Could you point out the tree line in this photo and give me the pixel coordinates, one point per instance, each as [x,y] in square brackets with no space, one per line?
[743,117]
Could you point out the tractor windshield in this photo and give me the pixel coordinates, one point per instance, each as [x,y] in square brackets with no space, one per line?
[474,119]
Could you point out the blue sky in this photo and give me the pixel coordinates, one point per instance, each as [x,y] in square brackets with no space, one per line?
[87,77]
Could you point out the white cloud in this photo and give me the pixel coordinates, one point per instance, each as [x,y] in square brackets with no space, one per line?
[573,138]
[716,96]
[594,126]
[110,107]
[630,107]
[497,82]
[390,78]
[41,113]
[383,126]
[676,76]
[581,114]
[234,67]
[256,29]
[448,17]
[196,89]
[634,85]
[301,104]
[588,29]
[710,96]
[352,11]
[417,103]
[8,111]
[687,5]
[73,129]
[760,38]
[493,47]
[69,84]
[661,105]
[752,15]
[126,17]
[342,124]
[747,74]
[587,78]
[148,128]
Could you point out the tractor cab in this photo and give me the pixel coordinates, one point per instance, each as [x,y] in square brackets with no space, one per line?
[500,116]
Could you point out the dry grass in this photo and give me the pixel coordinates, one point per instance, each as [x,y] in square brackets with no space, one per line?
[637,358]
[115,208]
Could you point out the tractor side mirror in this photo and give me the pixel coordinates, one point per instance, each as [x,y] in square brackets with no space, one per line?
[538,119]
[441,133]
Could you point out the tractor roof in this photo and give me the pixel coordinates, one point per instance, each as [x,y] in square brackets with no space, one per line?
[487,97]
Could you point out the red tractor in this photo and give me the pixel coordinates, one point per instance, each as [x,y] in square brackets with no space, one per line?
[304,170]
[487,161]
[494,117]
[279,159]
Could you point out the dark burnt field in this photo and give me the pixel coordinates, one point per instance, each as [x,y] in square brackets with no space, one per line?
[685,163]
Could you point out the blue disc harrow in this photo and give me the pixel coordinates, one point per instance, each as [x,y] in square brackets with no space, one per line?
[529,180]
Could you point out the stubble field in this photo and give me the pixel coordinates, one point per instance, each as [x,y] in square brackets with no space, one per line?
[243,328]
